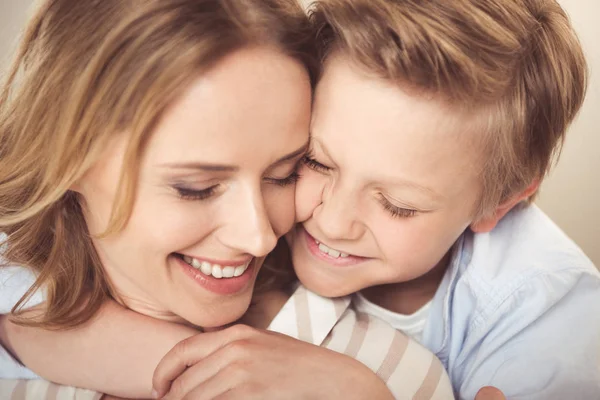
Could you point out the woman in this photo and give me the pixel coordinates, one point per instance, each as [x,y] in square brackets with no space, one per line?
[192,116]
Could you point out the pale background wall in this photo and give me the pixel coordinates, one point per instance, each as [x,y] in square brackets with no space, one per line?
[571,195]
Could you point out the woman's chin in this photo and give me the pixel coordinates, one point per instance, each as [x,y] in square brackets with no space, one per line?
[226,316]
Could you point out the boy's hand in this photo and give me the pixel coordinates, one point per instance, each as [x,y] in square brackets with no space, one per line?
[242,362]
[490,393]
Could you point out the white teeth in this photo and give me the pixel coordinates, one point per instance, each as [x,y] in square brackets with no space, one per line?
[228,272]
[331,252]
[216,270]
[206,268]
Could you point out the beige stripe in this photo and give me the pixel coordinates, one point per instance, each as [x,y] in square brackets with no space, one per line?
[393,357]
[52,393]
[97,396]
[20,391]
[327,340]
[358,335]
[303,315]
[431,381]
[340,307]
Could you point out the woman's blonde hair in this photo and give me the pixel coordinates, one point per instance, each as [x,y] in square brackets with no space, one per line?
[517,63]
[85,70]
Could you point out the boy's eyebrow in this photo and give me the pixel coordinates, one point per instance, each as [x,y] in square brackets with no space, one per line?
[418,187]
[210,167]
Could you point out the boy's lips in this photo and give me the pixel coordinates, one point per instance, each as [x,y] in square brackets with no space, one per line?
[328,254]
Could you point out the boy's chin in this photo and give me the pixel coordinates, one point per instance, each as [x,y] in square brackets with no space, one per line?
[326,287]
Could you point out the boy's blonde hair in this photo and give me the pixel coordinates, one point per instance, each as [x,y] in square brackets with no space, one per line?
[516,62]
[84,71]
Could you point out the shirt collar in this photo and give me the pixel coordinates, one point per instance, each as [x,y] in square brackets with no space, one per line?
[309,317]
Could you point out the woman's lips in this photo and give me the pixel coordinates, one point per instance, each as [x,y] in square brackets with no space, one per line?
[217,282]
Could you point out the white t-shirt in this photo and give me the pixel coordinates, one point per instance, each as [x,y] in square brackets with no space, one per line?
[412,324]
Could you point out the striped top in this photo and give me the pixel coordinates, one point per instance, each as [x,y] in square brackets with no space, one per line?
[37,389]
[409,369]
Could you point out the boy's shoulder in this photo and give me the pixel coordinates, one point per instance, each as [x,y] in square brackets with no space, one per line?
[526,265]
[509,304]
[525,243]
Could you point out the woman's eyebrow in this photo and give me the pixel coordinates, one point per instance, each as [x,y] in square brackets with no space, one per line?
[210,167]
[202,166]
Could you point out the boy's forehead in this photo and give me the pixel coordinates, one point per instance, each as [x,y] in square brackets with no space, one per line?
[349,94]
[394,131]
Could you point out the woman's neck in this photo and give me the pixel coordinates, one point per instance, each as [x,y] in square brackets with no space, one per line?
[264,308]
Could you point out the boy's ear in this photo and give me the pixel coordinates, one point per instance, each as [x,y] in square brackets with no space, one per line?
[488,223]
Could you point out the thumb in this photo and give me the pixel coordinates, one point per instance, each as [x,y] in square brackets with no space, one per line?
[490,393]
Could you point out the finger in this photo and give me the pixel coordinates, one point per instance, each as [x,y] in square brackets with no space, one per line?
[228,383]
[490,393]
[190,351]
[199,373]
[243,391]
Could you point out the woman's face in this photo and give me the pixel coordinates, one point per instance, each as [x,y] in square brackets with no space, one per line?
[392,182]
[215,191]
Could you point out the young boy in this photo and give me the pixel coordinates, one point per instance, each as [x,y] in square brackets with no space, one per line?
[434,124]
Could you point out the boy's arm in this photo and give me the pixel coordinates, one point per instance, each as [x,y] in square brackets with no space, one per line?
[116,352]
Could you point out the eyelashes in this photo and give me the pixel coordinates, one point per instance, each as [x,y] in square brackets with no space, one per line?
[392,210]
[193,194]
[396,212]
[312,163]
[309,160]
[205,194]
[289,180]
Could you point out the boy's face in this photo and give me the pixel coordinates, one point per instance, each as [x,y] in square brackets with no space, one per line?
[393,183]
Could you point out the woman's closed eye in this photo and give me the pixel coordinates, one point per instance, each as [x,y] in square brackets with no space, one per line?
[195,194]
[287,181]
[187,193]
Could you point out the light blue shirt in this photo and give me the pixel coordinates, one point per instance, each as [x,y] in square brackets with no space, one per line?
[519,309]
